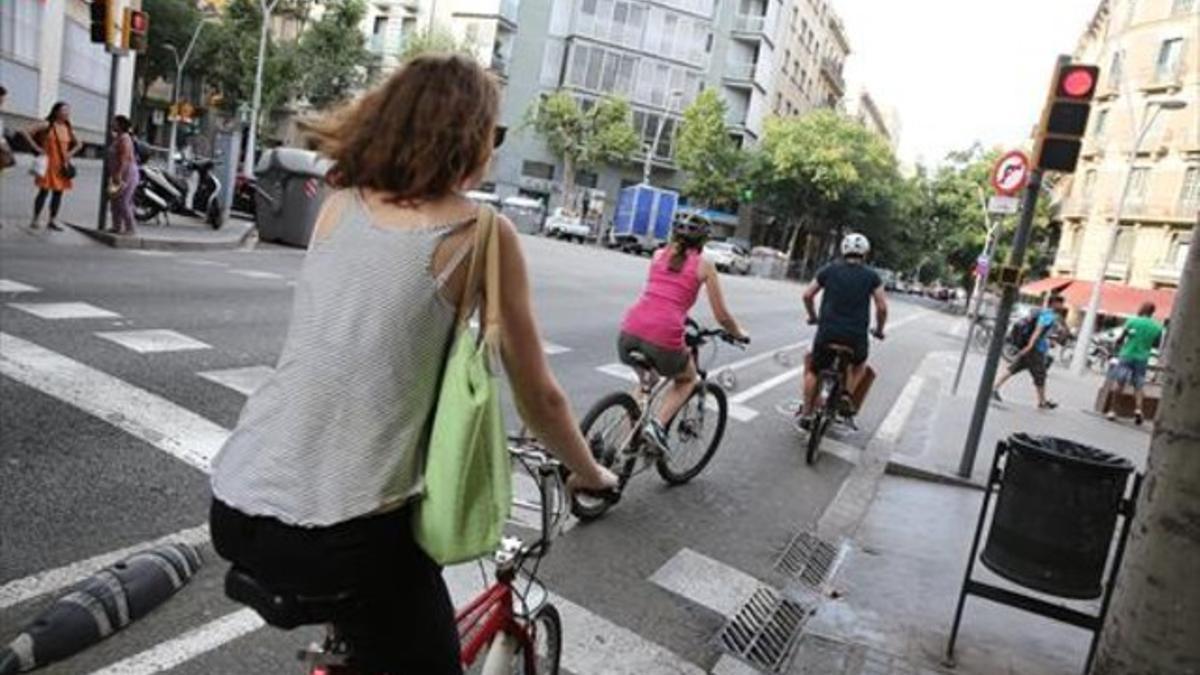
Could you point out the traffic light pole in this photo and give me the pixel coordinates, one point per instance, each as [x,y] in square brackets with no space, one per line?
[106,171]
[1010,280]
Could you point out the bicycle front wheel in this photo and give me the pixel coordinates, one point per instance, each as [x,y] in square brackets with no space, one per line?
[609,427]
[546,641]
[694,434]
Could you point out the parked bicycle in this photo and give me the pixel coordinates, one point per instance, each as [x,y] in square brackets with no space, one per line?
[617,427]
[510,628]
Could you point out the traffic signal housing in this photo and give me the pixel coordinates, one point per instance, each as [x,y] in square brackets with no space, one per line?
[1065,117]
[102,21]
[135,30]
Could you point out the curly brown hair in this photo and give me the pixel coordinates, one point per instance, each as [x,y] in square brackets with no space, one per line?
[418,135]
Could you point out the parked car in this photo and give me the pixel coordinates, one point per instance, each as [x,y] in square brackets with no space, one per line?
[566,224]
[728,257]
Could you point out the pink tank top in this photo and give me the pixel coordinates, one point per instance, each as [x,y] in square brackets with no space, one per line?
[659,315]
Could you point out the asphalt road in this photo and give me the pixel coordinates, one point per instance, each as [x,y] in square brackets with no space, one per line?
[77,484]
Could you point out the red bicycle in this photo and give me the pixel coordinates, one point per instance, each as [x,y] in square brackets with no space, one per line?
[511,624]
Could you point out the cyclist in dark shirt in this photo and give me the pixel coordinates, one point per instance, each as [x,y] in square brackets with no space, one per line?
[848,285]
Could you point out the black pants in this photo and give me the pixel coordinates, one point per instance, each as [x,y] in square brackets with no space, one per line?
[39,203]
[406,622]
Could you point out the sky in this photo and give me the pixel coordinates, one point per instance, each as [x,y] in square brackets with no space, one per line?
[960,71]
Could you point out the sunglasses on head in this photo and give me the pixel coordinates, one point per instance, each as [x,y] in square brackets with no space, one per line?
[498,136]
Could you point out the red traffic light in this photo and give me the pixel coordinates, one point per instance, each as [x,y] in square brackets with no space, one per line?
[1078,82]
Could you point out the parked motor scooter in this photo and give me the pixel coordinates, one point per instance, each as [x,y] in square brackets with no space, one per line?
[159,193]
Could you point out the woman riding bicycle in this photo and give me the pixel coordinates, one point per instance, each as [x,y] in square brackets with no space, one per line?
[654,326]
[313,491]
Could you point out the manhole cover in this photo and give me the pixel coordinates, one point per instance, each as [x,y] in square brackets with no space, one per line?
[765,630]
[807,559]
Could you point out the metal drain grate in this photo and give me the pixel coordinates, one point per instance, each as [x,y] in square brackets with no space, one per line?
[765,630]
[808,559]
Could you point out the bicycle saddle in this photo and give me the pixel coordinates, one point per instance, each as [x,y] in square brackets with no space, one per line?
[287,610]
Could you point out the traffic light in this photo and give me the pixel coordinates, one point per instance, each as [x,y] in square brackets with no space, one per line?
[102,21]
[1065,117]
[134,30]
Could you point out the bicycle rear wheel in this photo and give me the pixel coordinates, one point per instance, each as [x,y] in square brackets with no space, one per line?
[694,434]
[816,430]
[547,642]
[608,427]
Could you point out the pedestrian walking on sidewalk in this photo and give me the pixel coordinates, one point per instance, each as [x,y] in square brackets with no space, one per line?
[125,175]
[1138,338]
[55,144]
[1033,356]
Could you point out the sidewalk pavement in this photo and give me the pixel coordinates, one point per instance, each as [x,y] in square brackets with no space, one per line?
[889,604]
[183,233]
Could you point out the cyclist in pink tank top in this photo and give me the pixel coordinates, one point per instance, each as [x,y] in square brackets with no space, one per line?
[654,326]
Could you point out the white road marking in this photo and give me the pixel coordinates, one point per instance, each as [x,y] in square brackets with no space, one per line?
[64,310]
[893,425]
[766,385]
[10,286]
[256,274]
[49,581]
[244,381]
[153,341]
[757,358]
[193,643]
[706,582]
[171,428]
[152,254]
[552,349]
[201,262]
[623,372]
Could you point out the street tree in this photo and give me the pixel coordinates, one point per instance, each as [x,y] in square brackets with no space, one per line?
[583,136]
[174,23]
[436,38]
[707,154]
[231,51]
[1151,625]
[332,54]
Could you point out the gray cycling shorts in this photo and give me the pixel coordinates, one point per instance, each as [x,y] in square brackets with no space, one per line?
[666,362]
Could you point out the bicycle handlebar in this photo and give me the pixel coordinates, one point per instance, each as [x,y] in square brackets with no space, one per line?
[697,335]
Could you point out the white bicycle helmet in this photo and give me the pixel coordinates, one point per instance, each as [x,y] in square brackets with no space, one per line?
[855,244]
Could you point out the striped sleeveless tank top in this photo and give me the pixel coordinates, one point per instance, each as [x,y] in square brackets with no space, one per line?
[340,429]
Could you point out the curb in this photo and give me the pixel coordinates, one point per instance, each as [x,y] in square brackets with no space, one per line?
[247,240]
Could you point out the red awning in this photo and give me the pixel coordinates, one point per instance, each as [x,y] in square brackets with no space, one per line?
[1119,299]
[1047,285]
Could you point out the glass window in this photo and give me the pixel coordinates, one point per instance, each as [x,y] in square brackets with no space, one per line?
[645,82]
[1137,185]
[667,42]
[586,21]
[620,18]
[84,62]
[1167,64]
[1114,69]
[1182,6]
[21,29]
[612,63]
[1089,184]
[595,65]
[1101,123]
[1189,196]
[1177,252]
[625,75]
[578,68]
[633,29]
[537,170]
[1124,248]
[658,94]
[587,179]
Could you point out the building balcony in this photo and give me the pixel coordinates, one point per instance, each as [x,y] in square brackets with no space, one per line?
[1118,271]
[1162,79]
[509,10]
[751,27]
[1166,272]
[1064,264]
[832,72]
[740,74]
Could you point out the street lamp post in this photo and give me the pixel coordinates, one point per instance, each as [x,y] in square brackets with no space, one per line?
[1079,360]
[267,6]
[675,94]
[180,63]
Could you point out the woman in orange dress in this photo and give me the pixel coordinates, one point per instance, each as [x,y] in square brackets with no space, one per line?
[56,138]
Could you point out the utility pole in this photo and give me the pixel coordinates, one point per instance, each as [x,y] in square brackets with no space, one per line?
[1088,328]
[180,64]
[267,6]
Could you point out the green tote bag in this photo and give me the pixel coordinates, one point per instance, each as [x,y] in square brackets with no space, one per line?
[468,473]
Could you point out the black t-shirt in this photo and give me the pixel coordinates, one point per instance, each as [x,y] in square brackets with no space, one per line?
[846,299]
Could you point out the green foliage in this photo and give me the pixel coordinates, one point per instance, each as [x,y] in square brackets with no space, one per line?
[332,54]
[232,54]
[171,23]
[435,39]
[705,151]
[584,136]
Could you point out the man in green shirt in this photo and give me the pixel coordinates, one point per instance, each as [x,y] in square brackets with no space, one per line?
[1138,338]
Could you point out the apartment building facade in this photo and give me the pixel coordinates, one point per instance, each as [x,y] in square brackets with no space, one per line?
[862,106]
[1149,52]
[46,56]
[813,49]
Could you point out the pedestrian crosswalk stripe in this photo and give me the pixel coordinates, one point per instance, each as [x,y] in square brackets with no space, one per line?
[552,349]
[201,262]
[64,310]
[193,643]
[10,286]
[256,274]
[171,428]
[152,253]
[242,380]
[706,582]
[153,340]
[49,581]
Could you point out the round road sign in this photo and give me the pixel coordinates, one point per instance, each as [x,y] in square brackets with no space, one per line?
[1011,173]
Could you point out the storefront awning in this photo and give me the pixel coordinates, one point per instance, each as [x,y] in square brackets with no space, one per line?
[1119,299]
[1047,285]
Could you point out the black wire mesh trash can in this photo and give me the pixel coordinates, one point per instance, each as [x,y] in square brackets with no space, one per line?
[1054,525]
